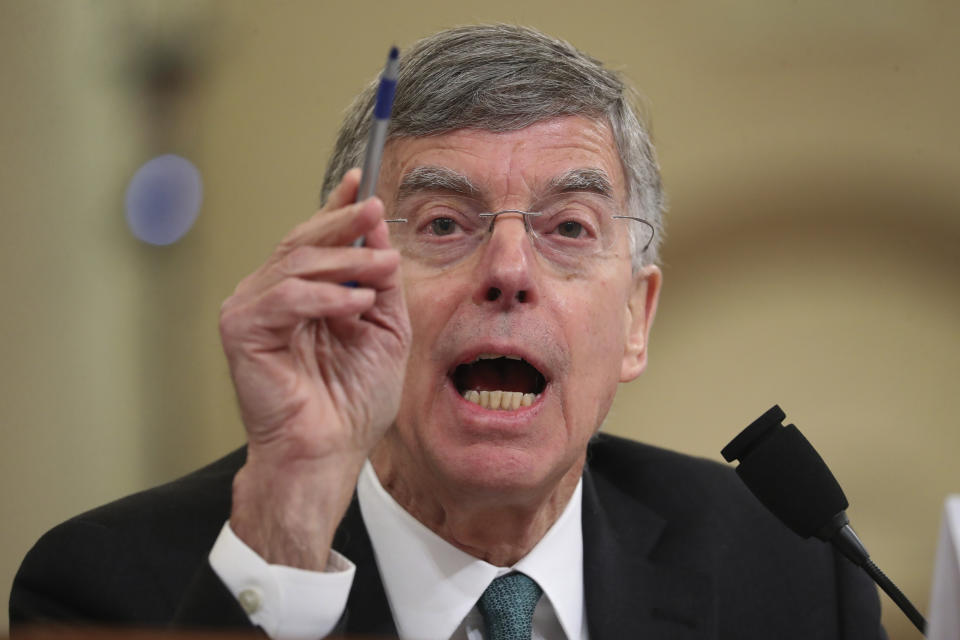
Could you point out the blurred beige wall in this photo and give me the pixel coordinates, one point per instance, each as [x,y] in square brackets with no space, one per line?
[810,151]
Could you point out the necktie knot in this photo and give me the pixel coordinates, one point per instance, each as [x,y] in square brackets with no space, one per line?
[507,607]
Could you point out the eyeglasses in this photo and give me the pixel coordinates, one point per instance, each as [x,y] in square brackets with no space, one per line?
[566,230]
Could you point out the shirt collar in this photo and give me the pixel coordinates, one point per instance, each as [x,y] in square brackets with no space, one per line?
[432,585]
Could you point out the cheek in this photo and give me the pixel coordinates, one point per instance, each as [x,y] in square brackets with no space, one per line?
[598,325]
[431,302]
[596,332]
[422,324]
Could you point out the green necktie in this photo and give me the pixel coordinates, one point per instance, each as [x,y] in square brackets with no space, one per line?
[507,607]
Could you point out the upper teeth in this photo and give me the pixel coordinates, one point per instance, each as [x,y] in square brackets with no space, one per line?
[503,400]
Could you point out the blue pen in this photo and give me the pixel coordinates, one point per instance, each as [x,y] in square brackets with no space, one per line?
[378,135]
[378,131]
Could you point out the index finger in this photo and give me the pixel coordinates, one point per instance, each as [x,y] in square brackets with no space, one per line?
[345,192]
[335,228]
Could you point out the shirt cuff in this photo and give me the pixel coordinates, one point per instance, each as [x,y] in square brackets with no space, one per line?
[283,601]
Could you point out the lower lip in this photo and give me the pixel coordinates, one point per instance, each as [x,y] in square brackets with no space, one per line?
[475,411]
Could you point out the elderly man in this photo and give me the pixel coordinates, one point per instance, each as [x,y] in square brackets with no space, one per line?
[423,456]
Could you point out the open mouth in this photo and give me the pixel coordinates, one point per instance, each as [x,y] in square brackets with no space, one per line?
[499,382]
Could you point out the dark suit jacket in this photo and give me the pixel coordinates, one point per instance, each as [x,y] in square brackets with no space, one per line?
[674,547]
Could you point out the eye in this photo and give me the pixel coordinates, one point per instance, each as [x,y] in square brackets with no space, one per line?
[443,226]
[570,229]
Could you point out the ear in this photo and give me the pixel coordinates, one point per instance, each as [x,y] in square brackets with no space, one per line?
[641,307]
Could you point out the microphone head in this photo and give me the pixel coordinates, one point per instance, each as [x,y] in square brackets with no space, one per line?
[787,475]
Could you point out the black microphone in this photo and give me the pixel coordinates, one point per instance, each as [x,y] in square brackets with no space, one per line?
[783,470]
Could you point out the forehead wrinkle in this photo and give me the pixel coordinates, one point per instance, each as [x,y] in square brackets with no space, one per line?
[433,178]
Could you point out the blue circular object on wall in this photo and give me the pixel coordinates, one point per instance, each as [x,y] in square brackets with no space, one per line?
[163,199]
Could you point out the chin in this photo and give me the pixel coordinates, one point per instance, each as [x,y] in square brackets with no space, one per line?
[500,470]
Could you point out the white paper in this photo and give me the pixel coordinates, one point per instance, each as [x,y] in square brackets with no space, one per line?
[944,620]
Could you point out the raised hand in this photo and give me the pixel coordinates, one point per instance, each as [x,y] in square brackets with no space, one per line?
[318,369]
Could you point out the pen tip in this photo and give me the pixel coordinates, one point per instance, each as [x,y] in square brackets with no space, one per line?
[394,53]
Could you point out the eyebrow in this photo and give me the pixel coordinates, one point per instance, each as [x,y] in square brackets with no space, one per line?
[582,180]
[431,178]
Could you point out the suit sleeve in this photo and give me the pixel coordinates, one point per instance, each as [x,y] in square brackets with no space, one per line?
[86,573]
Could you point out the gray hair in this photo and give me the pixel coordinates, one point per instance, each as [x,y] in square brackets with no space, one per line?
[504,78]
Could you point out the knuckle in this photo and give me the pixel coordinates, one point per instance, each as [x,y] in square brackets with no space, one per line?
[225,309]
[241,287]
[286,293]
[287,245]
[294,238]
[297,261]
[229,321]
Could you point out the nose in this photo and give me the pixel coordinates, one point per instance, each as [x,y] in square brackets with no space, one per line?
[507,268]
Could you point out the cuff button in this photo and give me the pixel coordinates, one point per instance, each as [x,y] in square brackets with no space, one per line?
[250,600]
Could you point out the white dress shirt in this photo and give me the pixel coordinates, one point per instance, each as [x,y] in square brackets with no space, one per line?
[432,586]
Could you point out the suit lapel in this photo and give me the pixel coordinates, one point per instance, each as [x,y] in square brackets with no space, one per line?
[368,611]
[629,592]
